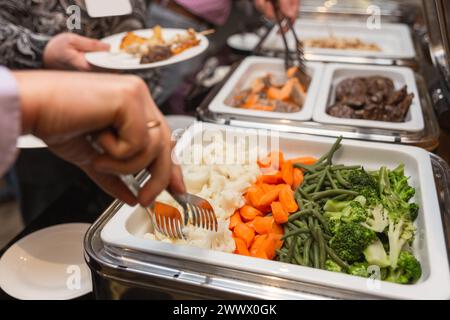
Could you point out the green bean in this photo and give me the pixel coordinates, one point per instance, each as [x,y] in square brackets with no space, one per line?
[291,250]
[340,197]
[311,176]
[294,233]
[300,224]
[310,188]
[326,236]
[298,214]
[321,180]
[344,167]
[341,180]
[307,168]
[322,251]
[322,220]
[334,148]
[299,199]
[336,258]
[306,251]
[330,193]
[333,184]
[316,255]
[304,194]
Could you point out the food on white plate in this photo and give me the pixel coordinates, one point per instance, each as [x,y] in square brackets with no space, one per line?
[268,94]
[156,48]
[371,98]
[308,211]
[341,43]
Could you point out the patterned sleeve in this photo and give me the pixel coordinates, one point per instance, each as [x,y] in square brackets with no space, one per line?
[19,47]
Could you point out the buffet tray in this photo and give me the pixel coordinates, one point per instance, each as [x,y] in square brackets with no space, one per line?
[254,67]
[334,73]
[426,138]
[122,236]
[394,39]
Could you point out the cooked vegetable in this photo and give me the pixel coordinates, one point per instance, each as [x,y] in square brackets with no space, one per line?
[350,218]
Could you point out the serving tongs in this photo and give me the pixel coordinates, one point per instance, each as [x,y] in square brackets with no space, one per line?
[299,60]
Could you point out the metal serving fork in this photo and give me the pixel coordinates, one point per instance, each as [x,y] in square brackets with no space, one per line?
[305,79]
[167,219]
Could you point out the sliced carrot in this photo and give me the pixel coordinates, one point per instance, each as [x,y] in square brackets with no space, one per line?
[234,220]
[250,224]
[286,197]
[267,187]
[268,246]
[251,100]
[249,213]
[279,213]
[263,225]
[259,239]
[277,239]
[273,178]
[297,178]
[274,93]
[287,172]
[277,229]
[241,247]
[286,90]
[245,233]
[304,160]
[254,195]
[269,197]
[260,254]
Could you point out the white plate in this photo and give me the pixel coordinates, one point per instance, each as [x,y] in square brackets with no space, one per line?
[243,41]
[47,265]
[117,60]
[335,73]
[394,39]
[127,227]
[30,142]
[254,67]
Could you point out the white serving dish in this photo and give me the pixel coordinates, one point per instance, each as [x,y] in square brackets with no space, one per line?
[253,67]
[334,73]
[127,227]
[394,39]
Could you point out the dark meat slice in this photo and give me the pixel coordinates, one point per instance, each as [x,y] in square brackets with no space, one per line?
[341,111]
[156,53]
[371,112]
[397,113]
[379,86]
[397,96]
[352,91]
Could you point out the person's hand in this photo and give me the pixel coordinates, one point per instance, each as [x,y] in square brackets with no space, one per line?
[66,52]
[288,8]
[63,108]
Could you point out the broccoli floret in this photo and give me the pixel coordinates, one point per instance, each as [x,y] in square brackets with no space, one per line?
[347,211]
[408,269]
[350,240]
[333,219]
[360,179]
[354,212]
[377,219]
[364,184]
[330,265]
[376,255]
[358,269]
[399,233]
[413,211]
